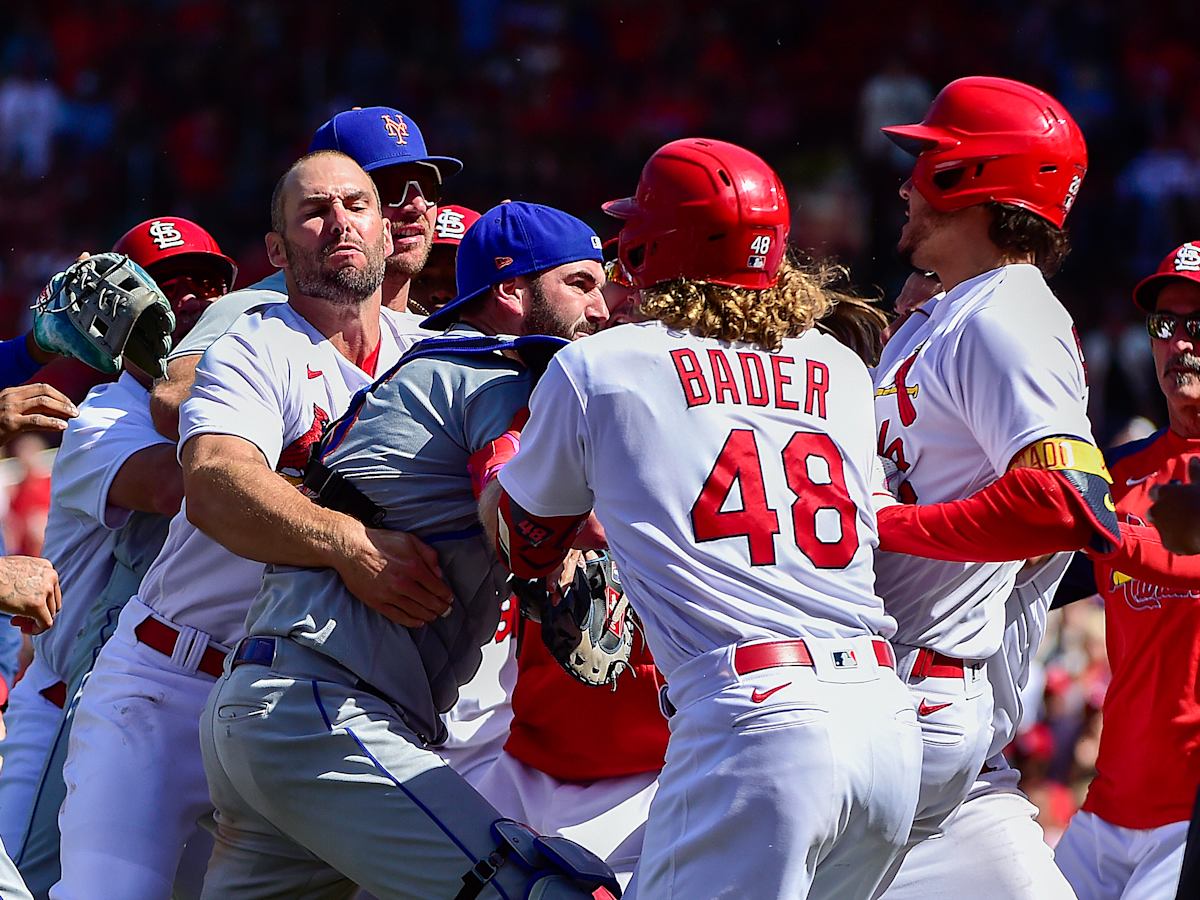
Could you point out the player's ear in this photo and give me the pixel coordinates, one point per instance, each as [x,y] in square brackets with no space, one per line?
[275,251]
[510,295]
[388,245]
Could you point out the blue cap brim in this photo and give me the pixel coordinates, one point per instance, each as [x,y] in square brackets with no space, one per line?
[447,166]
[447,315]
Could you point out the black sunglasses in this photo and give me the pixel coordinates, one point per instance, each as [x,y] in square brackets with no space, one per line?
[1161,325]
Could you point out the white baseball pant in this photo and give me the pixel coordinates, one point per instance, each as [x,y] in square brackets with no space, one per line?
[135,780]
[785,781]
[992,848]
[1103,861]
[953,701]
[606,816]
[32,722]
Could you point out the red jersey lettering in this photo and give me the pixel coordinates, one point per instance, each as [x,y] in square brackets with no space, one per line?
[782,381]
[691,379]
[818,386]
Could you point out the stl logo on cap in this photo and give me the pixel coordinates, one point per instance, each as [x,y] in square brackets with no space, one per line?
[449,224]
[396,128]
[1187,259]
[165,235]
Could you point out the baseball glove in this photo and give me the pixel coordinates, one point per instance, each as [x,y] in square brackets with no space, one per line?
[103,309]
[590,630]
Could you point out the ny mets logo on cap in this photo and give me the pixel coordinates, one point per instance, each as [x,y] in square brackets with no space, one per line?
[450,224]
[165,235]
[396,128]
[1187,258]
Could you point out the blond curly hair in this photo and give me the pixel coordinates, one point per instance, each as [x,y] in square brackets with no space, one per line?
[806,294]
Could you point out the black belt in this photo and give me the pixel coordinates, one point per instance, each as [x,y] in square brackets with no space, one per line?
[334,491]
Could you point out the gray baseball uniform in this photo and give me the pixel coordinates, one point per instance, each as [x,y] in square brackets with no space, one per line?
[219,316]
[350,700]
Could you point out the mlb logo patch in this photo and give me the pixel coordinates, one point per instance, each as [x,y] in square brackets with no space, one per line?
[756,262]
[845,659]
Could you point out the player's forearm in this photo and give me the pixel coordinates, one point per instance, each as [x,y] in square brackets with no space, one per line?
[149,481]
[170,392]
[1025,513]
[255,513]
[1143,556]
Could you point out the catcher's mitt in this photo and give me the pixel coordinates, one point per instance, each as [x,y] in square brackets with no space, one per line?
[590,630]
[102,309]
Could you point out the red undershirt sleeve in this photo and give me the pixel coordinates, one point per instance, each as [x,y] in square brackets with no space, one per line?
[1026,512]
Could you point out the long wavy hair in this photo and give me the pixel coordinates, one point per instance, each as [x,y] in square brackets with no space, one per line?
[807,294]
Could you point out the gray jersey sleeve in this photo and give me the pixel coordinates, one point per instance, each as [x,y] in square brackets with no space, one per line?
[220,315]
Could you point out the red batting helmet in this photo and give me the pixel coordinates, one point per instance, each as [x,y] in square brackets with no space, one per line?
[993,139]
[1182,263]
[704,210]
[170,245]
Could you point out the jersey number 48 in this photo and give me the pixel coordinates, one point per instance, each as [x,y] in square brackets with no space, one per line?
[739,461]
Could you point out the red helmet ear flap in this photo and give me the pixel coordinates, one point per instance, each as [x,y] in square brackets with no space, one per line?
[704,210]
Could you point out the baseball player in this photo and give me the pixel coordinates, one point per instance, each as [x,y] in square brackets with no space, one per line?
[793,759]
[566,780]
[434,286]
[114,480]
[388,145]
[986,380]
[349,696]
[1128,838]
[29,588]
[477,726]
[263,392]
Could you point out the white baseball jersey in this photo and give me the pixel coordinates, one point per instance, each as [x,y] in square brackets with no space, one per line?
[993,367]
[113,424]
[1024,627]
[273,380]
[753,516]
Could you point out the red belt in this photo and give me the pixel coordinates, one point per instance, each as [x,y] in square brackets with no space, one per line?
[56,693]
[931,664]
[160,636]
[753,657]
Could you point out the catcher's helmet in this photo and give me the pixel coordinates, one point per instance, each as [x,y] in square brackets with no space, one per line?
[987,139]
[171,245]
[705,210]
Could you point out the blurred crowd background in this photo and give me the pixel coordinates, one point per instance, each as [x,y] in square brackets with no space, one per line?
[113,111]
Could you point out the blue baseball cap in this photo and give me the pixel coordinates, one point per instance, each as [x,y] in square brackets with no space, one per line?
[515,239]
[378,136]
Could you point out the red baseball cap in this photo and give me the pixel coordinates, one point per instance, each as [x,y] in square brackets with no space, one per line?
[169,245]
[1182,262]
[452,223]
